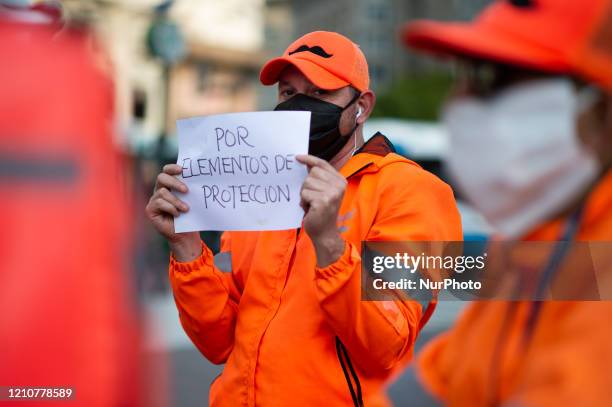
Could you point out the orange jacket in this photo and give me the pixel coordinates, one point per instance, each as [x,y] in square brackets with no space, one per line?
[569,356]
[274,319]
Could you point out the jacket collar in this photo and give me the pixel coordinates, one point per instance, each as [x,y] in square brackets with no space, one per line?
[377,152]
[378,144]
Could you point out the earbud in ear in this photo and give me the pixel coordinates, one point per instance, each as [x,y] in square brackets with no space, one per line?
[358,113]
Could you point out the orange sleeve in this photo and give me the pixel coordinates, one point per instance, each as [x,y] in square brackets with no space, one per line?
[413,205]
[207,300]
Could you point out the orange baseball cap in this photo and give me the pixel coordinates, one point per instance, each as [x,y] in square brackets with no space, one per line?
[556,36]
[327,59]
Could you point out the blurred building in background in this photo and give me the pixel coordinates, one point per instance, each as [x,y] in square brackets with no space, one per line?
[222,41]
[220,72]
[374,24]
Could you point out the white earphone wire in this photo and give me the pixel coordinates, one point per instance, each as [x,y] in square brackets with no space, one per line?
[354,136]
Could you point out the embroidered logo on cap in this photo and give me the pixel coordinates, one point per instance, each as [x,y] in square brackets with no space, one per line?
[315,50]
[523,3]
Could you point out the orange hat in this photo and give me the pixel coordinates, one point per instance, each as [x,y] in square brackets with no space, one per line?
[557,36]
[327,59]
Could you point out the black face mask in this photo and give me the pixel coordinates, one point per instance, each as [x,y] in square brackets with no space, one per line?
[325,138]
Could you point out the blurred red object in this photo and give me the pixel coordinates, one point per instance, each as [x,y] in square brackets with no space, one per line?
[67,313]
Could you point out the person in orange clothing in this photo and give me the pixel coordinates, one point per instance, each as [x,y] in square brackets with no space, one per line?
[283,312]
[530,124]
[68,315]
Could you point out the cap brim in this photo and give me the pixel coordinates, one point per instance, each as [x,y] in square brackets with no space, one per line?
[472,41]
[323,79]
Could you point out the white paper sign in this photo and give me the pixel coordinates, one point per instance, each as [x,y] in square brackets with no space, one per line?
[241,171]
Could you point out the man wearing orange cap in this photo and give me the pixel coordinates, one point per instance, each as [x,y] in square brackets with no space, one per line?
[284,313]
[530,126]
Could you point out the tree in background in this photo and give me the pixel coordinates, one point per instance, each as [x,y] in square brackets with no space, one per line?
[416,96]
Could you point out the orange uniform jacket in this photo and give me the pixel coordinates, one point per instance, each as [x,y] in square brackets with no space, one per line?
[569,358]
[273,320]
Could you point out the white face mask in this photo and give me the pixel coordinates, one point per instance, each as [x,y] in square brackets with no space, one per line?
[517,157]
